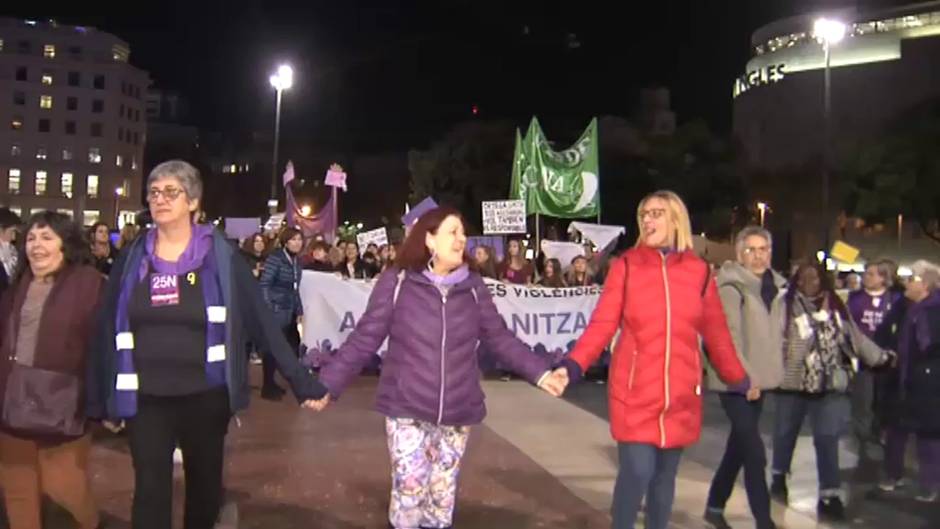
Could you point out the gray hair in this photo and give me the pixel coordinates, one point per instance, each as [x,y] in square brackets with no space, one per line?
[928,272]
[187,175]
[751,231]
[885,269]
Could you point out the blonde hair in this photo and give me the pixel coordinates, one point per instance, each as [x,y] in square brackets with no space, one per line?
[678,217]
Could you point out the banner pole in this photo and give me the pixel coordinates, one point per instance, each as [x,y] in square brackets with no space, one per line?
[538,238]
[335,209]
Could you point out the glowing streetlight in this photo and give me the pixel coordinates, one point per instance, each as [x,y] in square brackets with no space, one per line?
[305,210]
[282,80]
[118,193]
[762,208]
[828,32]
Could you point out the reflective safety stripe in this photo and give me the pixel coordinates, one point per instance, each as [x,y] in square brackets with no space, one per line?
[126,382]
[216,314]
[216,353]
[124,341]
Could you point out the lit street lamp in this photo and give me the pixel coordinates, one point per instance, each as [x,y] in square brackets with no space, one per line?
[282,80]
[118,193]
[305,210]
[762,208]
[828,32]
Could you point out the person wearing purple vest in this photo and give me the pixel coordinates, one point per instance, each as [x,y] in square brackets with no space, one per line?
[874,308]
[436,314]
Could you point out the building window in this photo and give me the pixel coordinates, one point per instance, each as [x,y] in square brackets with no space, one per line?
[67,212]
[19,98]
[47,79]
[119,161]
[75,79]
[24,46]
[48,51]
[70,128]
[71,103]
[94,155]
[92,186]
[75,52]
[99,82]
[133,163]
[18,210]
[44,125]
[41,181]
[96,130]
[120,133]
[45,102]
[22,74]
[42,153]
[66,185]
[16,123]
[13,181]
[136,138]
[67,154]
[97,106]
[90,216]
[16,150]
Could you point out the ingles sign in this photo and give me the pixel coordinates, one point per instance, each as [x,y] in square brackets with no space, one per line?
[762,77]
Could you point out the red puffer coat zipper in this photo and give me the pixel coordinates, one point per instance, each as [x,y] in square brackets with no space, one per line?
[662,303]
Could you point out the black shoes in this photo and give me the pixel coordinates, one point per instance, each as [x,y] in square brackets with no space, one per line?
[272,392]
[831,509]
[778,489]
[716,519]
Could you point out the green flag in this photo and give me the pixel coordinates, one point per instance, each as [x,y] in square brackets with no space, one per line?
[561,184]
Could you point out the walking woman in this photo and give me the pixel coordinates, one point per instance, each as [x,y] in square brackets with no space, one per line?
[820,342]
[255,251]
[516,268]
[661,297]
[280,284]
[551,276]
[48,317]
[170,352]
[916,386]
[434,311]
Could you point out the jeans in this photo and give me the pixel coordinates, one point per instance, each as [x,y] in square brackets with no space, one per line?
[645,470]
[198,423]
[829,414]
[864,422]
[745,449]
[928,457]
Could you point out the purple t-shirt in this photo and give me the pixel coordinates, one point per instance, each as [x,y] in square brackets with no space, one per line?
[870,312]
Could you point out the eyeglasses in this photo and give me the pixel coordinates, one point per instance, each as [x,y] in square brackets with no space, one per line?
[653,213]
[169,193]
[754,250]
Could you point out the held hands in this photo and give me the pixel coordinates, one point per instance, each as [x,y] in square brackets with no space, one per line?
[753,394]
[555,383]
[317,405]
[113,427]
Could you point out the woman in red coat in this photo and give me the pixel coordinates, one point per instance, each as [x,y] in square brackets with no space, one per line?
[661,297]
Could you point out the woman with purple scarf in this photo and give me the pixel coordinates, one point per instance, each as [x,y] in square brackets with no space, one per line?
[917,388]
[435,313]
[170,351]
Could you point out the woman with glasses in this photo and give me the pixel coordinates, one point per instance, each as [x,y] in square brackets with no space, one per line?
[662,297]
[170,354]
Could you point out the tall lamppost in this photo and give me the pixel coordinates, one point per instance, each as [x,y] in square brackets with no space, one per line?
[282,80]
[118,193]
[762,209]
[828,32]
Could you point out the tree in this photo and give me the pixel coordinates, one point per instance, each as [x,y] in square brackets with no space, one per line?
[898,172]
[470,165]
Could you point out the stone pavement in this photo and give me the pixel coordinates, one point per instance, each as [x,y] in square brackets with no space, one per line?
[537,462]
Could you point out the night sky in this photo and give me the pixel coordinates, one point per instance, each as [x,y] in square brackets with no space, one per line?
[388,75]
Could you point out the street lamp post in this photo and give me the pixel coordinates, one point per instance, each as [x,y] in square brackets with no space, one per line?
[828,32]
[282,80]
[118,193]
[762,208]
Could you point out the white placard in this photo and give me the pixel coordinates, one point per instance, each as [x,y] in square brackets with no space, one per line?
[503,217]
[378,236]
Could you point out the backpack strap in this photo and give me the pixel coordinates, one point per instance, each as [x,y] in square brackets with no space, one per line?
[708,277]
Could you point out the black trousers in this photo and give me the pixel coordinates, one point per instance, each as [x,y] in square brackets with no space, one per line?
[268,363]
[198,423]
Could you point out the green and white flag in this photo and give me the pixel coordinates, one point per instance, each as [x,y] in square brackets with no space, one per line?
[561,184]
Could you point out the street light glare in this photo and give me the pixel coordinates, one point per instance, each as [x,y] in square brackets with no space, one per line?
[119,191]
[305,211]
[829,30]
[284,78]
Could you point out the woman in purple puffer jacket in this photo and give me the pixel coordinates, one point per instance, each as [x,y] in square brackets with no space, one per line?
[435,313]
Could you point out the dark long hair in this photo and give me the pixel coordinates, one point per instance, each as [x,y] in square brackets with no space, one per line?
[414,253]
[487,269]
[248,246]
[826,287]
[75,249]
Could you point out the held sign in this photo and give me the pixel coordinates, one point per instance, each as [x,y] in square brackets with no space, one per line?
[379,237]
[502,217]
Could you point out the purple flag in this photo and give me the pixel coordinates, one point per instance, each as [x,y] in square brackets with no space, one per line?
[423,207]
[336,178]
[289,173]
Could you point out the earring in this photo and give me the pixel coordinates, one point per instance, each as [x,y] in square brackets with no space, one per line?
[431,261]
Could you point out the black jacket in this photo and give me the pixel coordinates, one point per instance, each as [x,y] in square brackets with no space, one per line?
[248,317]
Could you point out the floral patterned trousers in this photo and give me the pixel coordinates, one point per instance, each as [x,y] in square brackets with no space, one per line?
[425,464]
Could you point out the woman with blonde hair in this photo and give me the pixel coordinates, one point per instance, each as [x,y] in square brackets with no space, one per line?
[662,297]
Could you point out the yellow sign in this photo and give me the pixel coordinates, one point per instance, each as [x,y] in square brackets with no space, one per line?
[844,252]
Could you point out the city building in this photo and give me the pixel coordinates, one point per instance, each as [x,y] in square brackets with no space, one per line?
[884,66]
[72,122]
